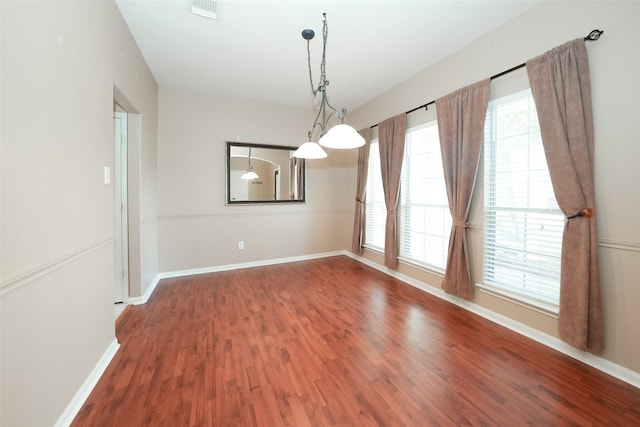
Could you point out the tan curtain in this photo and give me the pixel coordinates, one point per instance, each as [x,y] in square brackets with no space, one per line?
[461,117]
[391,133]
[361,187]
[561,89]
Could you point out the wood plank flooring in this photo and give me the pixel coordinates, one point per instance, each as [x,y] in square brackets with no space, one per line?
[332,342]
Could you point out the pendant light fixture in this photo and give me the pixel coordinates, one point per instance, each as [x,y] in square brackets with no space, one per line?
[250,174]
[341,136]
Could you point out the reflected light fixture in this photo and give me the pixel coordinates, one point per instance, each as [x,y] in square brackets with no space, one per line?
[341,136]
[250,174]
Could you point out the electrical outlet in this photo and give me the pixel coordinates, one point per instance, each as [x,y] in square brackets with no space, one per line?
[240,245]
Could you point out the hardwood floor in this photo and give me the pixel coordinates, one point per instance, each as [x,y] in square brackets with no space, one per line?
[332,342]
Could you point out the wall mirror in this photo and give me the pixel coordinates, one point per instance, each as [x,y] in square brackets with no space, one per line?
[258,173]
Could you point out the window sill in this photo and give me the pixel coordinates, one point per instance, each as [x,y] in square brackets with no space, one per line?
[521,300]
[374,249]
[422,266]
[408,261]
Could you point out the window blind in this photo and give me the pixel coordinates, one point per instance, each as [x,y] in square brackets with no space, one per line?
[375,208]
[522,221]
[425,219]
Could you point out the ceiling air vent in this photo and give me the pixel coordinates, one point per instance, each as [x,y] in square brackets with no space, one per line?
[205,8]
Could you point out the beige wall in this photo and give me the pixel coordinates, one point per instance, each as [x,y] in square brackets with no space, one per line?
[197,229]
[614,61]
[61,64]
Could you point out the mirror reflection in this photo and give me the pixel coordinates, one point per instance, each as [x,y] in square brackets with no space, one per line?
[259,173]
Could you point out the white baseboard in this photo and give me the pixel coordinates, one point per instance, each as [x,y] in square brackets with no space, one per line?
[260,263]
[144,298]
[181,273]
[72,409]
[599,363]
[604,365]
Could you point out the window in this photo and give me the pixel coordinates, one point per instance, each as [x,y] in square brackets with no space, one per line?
[376,211]
[522,222]
[425,219]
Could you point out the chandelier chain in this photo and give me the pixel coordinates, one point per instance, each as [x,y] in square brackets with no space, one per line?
[313,89]
[323,64]
[323,74]
[344,136]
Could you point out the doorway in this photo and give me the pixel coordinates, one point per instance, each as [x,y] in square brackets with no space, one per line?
[121,232]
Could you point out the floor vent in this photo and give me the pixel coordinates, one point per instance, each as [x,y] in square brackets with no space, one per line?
[204,8]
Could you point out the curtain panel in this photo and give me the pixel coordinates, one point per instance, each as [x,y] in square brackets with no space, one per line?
[391,138]
[461,117]
[361,186]
[561,88]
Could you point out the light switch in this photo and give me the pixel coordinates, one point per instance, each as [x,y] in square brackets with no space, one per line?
[107,175]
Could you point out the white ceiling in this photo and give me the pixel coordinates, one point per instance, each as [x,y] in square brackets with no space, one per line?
[255,50]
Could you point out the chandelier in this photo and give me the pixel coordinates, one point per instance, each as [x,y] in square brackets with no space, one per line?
[340,136]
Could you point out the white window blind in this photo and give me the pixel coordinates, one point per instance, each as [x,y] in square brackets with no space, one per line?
[376,211]
[425,219]
[522,222]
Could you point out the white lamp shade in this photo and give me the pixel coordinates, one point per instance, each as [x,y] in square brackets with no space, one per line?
[249,175]
[342,137]
[310,150]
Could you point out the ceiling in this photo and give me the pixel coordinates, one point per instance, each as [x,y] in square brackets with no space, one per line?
[255,50]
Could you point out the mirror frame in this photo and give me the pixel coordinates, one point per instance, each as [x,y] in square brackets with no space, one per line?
[228,200]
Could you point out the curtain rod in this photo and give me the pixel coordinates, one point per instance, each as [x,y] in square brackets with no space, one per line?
[593,36]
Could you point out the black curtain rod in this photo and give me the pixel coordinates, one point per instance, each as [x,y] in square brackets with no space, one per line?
[593,36]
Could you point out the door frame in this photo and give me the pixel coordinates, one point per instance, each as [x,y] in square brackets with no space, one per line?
[121,209]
